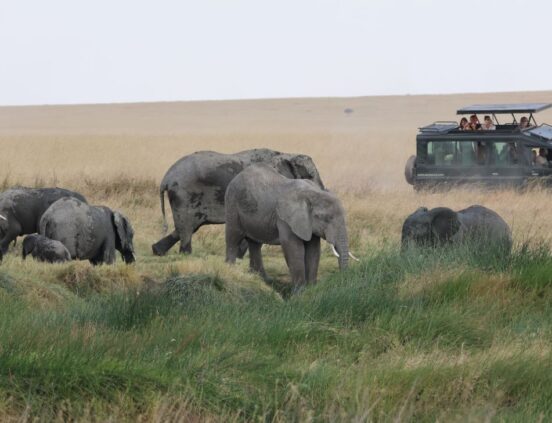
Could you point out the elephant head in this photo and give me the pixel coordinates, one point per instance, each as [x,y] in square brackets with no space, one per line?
[29,244]
[297,166]
[317,213]
[432,227]
[123,237]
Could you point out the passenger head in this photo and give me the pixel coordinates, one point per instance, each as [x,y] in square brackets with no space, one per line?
[488,120]
[463,123]
[524,122]
[473,119]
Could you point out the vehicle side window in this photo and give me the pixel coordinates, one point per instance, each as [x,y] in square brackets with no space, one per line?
[451,153]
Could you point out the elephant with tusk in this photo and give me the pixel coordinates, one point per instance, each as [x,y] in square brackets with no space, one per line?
[22,208]
[264,207]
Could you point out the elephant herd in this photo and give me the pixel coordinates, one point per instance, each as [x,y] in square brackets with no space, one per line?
[263,196]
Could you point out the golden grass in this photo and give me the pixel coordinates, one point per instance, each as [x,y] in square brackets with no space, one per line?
[117,154]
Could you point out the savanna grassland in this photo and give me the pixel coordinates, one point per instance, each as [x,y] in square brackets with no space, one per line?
[448,335]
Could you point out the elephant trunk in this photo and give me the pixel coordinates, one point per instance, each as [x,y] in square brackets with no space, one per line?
[340,244]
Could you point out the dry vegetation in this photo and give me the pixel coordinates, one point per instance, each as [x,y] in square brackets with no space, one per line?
[117,154]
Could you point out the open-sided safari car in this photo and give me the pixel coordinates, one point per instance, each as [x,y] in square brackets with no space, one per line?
[497,153]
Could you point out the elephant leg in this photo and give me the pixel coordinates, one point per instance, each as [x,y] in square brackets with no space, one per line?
[243,249]
[234,238]
[161,247]
[256,258]
[294,253]
[312,258]
[11,235]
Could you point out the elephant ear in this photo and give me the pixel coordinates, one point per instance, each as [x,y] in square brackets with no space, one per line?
[296,213]
[124,231]
[283,166]
[444,223]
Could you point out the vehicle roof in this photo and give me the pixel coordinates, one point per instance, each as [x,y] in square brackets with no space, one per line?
[504,108]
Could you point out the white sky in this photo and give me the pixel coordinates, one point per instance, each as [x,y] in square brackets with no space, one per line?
[95,51]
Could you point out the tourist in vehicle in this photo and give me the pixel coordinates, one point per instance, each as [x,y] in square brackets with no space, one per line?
[464,125]
[488,124]
[541,160]
[524,123]
[474,123]
[481,153]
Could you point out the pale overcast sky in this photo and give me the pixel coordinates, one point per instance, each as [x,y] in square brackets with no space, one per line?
[96,51]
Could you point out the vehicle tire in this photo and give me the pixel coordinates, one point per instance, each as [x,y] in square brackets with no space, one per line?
[409,170]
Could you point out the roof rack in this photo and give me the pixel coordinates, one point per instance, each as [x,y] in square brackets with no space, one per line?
[439,127]
[504,108]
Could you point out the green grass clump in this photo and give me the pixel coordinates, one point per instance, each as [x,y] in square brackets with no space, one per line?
[442,335]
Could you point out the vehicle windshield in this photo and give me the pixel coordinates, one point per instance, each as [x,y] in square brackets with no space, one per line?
[473,153]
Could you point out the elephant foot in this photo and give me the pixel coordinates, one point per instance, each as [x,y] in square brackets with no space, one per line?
[161,247]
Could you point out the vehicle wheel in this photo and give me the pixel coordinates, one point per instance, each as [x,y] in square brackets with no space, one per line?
[409,170]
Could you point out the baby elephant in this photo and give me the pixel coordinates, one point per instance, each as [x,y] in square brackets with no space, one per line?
[264,207]
[89,232]
[45,249]
[441,226]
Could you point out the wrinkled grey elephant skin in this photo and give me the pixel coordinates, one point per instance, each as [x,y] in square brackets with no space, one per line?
[45,249]
[22,208]
[196,185]
[89,232]
[264,207]
[442,226]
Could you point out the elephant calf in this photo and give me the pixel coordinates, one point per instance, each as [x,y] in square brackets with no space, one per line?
[45,249]
[441,226]
[89,232]
[264,207]
[22,208]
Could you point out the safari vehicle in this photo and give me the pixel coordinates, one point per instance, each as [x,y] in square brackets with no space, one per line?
[448,155]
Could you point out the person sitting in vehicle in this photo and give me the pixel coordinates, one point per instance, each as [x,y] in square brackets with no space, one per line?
[474,123]
[524,123]
[464,125]
[541,160]
[488,124]
[481,153]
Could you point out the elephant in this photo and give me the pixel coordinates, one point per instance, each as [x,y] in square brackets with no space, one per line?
[196,184]
[89,232]
[442,226]
[264,207]
[21,210]
[45,249]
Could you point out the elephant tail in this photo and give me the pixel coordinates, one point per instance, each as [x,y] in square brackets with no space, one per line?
[162,199]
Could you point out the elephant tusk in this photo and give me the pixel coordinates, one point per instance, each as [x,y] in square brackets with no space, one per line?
[3,217]
[353,257]
[334,251]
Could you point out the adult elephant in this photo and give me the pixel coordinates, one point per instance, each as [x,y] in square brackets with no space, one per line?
[441,226]
[89,232]
[196,185]
[22,208]
[264,207]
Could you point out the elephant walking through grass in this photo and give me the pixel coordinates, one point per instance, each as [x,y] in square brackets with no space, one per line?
[264,207]
[196,185]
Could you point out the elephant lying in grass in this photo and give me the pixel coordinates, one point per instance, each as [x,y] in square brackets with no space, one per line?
[196,184]
[45,249]
[22,208]
[442,226]
[89,232]
[264,207]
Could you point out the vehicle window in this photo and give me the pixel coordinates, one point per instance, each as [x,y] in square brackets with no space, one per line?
[451,153]
[506,153]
